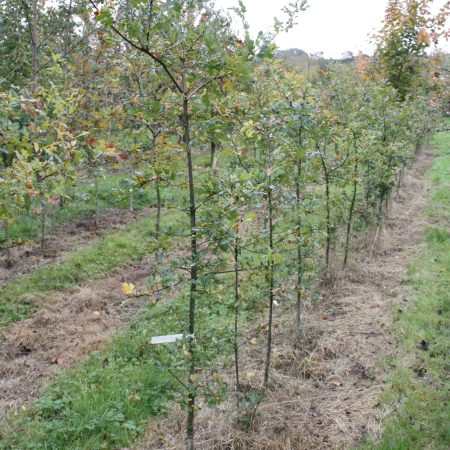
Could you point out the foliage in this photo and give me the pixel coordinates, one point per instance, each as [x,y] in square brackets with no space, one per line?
[409,29]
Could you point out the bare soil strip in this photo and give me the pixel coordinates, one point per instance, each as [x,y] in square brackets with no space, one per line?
[63,239]
[325,385]
[70,325]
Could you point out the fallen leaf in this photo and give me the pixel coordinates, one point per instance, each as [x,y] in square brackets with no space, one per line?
[128,288]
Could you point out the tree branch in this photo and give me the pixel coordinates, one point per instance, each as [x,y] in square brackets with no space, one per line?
[143,50]
[204,84]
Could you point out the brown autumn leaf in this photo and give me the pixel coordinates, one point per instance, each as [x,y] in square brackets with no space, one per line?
[90,141]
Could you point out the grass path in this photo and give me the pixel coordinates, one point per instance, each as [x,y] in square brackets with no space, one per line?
[417,395]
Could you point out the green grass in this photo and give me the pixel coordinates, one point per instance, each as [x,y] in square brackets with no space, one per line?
[21,297]
[102,403]
[440,176]
[420,385]
[106,401]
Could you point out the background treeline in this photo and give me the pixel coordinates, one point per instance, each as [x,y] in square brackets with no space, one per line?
[279,167]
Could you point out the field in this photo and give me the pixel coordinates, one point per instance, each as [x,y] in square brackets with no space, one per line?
[359,345]
[207,243]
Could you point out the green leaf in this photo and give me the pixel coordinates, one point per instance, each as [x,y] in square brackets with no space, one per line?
[105,17]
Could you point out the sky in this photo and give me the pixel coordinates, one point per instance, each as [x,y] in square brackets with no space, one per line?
[329,26]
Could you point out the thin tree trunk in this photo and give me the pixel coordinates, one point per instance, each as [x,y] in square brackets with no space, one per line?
[96,199]
[193,276]
[9,259]
[366,186]
[328,219]
[34,41]
[236,313]
[42,225]
[158,219]
[298,309]
[399,181]
[131,200]
[379,226]
[34,77]
[271,296]
[375,239]
[328,214]
[298,321]
[418,147]
[350,213]
[213,156]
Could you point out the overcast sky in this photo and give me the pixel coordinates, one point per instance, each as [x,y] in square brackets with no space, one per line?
[329,26]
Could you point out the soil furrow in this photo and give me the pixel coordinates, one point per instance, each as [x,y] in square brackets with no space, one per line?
[63,239]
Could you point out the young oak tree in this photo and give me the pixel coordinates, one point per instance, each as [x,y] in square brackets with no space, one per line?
[192,44]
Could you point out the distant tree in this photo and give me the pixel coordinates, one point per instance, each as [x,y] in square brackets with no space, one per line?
[35,34]
[409,29]
[347,56]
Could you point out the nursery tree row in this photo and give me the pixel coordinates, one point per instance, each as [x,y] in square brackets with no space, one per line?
[280,172]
